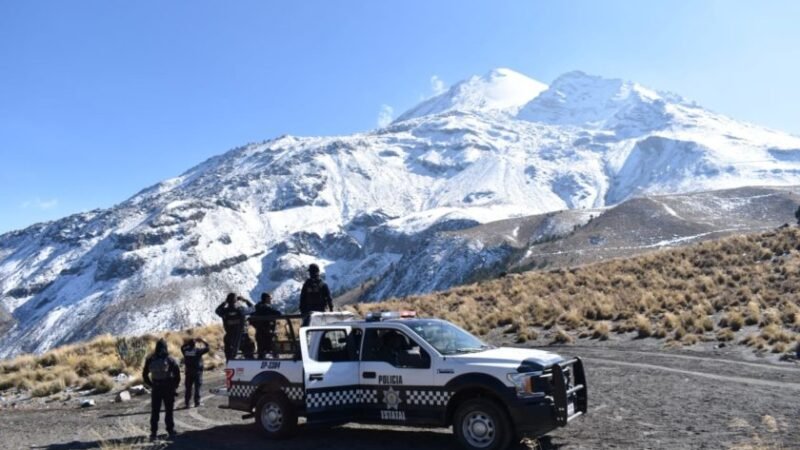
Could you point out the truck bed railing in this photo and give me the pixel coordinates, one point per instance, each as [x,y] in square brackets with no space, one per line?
[285,341]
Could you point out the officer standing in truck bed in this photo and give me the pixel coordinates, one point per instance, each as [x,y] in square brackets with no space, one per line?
[234,322]
[315,295]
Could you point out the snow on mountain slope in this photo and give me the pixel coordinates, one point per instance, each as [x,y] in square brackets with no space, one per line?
[253,218]
[499,90]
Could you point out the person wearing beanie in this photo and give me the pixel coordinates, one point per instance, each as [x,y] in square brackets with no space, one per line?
[163,375]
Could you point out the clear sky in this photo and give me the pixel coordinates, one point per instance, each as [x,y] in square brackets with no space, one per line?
[99,99]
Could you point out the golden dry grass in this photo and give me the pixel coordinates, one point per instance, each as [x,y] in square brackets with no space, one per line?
[742,288]
[92,364]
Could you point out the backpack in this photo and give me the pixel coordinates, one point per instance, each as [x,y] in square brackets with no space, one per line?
[160,369]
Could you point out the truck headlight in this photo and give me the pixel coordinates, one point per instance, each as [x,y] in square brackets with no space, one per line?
[523,384]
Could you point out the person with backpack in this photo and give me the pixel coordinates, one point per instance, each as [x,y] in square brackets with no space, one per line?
[193,361]
[315,295]
[163,375]
[234,322]
[265,329]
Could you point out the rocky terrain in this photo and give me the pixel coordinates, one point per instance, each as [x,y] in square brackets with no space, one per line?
[371,207]
[639,398]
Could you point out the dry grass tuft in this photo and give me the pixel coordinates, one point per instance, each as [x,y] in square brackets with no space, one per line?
[561,337]
[601,330]
[99,383]
[47,388]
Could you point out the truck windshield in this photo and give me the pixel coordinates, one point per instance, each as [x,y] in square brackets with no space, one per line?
[447,338]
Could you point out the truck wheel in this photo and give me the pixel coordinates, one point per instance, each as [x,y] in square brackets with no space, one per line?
[480,424]
[276,416]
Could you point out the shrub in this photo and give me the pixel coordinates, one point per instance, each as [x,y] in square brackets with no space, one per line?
[132,351]
[753,313]
[643,326]
[562,337]
[733,320]
[99,383]
[47,360]
[671,321]
[725,335]
[690,339]
[707,323]
[23,384]
[572,318]
[69,377]
[601,330]
[47,388]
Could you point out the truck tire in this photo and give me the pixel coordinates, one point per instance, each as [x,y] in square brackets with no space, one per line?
[275,415]
[481,424]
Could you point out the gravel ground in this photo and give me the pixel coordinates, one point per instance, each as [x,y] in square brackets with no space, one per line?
[640,398]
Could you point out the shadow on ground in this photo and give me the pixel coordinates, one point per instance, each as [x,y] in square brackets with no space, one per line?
[246,437]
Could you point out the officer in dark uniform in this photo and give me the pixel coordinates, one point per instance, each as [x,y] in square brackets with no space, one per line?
[265,330]
[315,295]
[193,361]
[233,321]
[163,375]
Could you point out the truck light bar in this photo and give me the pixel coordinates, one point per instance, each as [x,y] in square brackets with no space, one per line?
[388,315]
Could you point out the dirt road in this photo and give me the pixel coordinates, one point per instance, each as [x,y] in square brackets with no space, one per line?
[638,399]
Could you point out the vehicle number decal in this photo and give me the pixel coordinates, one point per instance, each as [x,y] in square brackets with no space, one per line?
[271,365]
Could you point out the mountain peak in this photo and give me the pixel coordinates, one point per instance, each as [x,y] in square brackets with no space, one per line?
[500,89]
[580,99]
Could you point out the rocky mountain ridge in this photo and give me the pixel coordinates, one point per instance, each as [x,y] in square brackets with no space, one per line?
[489,149]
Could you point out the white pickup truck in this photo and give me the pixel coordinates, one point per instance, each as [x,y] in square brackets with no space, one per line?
[390,369]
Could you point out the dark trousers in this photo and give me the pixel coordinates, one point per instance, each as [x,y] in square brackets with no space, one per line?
[264,342]
[166,395]
[246,345]
[194,383]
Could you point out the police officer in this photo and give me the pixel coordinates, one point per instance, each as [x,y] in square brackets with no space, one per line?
[233,321]
[193,361]
[315,295]
[163,375]
[265,330]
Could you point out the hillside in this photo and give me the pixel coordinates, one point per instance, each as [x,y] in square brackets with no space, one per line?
[737,290]
[740,291]
[495,147]
[578,237]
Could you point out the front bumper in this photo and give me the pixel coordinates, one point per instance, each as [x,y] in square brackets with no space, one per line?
[566,401]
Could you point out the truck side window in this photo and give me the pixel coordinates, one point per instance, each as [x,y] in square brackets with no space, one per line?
[394,347]
[332,346]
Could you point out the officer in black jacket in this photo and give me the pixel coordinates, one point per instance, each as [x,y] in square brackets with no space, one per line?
[265,330]
[315,295]
[234,322]
[193,361]
[163,375]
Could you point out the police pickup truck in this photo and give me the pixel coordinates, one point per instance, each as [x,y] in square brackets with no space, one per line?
[397,369]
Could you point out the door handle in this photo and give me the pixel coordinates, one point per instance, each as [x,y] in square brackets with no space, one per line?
[315,377]
[368,374]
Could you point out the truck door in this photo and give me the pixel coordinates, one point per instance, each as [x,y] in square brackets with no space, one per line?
[330,364]
[396,376]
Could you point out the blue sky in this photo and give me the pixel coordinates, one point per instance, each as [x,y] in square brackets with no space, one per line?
[99,99]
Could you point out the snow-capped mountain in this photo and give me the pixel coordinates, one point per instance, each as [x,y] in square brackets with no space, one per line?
[501,90]
[490,148]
